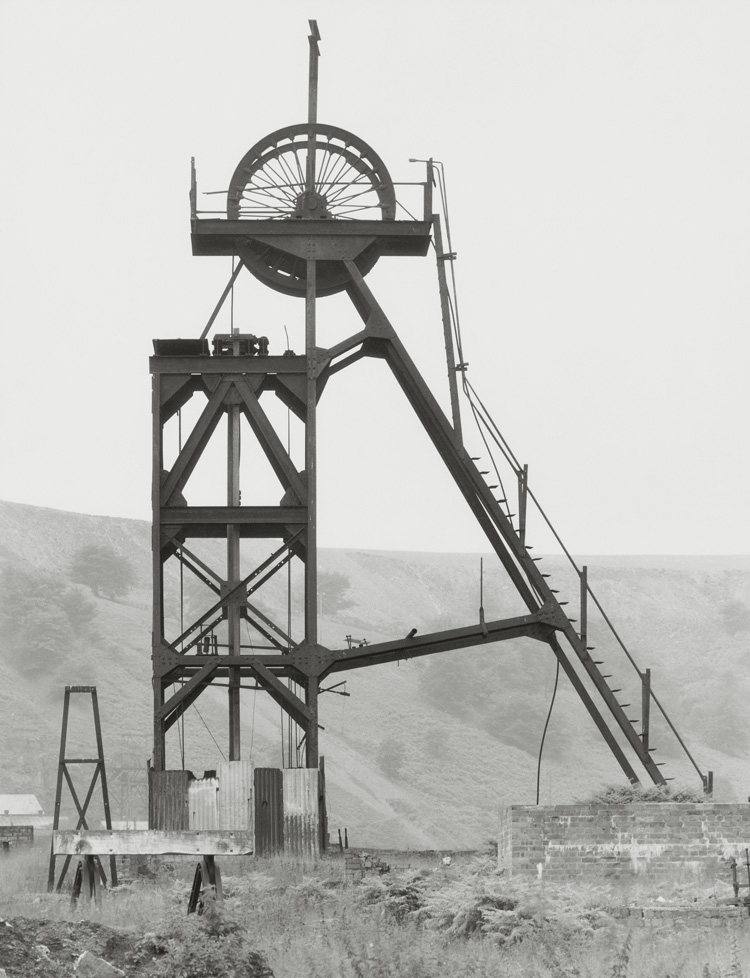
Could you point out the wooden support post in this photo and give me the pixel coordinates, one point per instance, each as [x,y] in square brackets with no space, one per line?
[645,707]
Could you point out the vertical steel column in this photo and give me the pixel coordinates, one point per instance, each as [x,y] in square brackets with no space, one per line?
[312,105]
[584,618]
[645,707]
[523,493]
[311,561]
[58,791]
[103,778]
[157,569]
[233,576]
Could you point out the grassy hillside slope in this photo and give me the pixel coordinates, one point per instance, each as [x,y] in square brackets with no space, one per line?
[421,753]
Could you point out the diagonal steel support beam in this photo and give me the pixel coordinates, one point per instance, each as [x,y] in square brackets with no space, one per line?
[186,694]
[286,699]
[270,442]
[528,626]
[512,552]
[196,443]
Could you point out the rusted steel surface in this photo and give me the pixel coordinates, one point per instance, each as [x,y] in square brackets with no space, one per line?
[301,812]
[268,786]
[203,803]
[235,795]
[168,800]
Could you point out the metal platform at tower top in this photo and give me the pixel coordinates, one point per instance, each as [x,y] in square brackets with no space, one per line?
[310,209]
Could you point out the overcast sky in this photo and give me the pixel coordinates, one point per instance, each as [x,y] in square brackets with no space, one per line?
[597,156]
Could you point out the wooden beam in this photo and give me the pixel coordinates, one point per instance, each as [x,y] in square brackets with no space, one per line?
[156,842]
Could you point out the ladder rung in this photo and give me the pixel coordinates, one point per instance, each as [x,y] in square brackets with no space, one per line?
[597,662]
[562,602]
[546,575]
[624,706]
[616,690]
[572,619]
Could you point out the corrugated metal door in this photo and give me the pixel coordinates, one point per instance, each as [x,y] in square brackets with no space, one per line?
[268,786]
[301,812]
[235,795]
[203,804]
[168,800]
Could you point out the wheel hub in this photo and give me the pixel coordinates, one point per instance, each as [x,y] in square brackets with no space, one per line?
[310,204]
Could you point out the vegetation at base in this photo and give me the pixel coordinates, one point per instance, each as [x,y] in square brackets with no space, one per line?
[214,943]
[103,570]
[287,919]
[631,794]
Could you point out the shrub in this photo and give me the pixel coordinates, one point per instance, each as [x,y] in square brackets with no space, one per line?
[102,569]
[630,794]
[214,944]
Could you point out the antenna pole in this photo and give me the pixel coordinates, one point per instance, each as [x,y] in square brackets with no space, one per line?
[312,103]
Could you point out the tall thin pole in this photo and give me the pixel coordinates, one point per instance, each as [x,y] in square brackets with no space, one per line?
[312,104]
[311,560]
[233,572]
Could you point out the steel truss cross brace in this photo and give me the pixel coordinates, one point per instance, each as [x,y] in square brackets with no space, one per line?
[242,381]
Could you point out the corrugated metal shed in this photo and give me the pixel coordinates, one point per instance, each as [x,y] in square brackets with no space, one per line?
[168,799]
[301,812]
[235,795]
[203,803]
[20,805]
[268,786]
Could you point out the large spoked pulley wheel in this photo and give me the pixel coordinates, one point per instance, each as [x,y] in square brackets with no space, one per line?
[350,183]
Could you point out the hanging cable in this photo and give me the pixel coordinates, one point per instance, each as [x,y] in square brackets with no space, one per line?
[489,431]
[544,732]
[209,731]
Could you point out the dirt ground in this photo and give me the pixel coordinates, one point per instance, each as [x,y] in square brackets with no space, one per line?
[49,948]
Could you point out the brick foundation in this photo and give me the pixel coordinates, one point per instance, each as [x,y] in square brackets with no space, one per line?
[12,836]
[657,839]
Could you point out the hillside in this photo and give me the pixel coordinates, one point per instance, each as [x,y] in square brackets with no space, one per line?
[421,753]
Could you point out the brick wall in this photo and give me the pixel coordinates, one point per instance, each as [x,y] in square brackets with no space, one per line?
[658,839]
[16,835]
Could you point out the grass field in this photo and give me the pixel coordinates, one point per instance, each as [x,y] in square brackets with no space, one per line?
[296,920]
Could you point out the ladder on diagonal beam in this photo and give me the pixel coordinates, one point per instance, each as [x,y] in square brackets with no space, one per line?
[98,774]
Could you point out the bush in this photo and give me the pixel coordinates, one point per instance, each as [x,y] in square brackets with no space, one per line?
[102,569]
[631,794]
[214,944]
